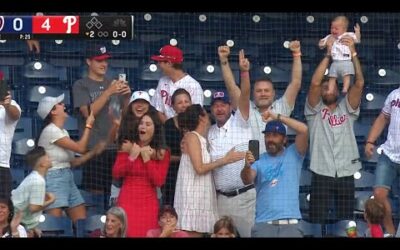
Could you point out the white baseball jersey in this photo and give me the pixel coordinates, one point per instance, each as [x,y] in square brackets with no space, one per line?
[391,147]
[166,88]
[341,52]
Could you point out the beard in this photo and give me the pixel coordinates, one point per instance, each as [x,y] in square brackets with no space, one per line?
[329,99]
[274,148]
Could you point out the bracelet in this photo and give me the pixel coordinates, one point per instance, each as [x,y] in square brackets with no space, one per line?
[244,74]
[278,117]
[297,54]
[370,142]
[328,55]
[88,126]
[354,54]
[224,62]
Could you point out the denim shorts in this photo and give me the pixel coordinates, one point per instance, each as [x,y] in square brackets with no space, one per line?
[61,183]
[386,171]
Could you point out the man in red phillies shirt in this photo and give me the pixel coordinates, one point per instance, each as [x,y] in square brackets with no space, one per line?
[333,147]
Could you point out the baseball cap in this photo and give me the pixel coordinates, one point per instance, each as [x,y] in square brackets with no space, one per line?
[275,127]
[169,53]
[47,103]
[98,52]
[140,95]
[220,95]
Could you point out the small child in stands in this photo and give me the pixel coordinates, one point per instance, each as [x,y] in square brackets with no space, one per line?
[167,219]
[30,196]
[224,228]
[374,213]
[342,65]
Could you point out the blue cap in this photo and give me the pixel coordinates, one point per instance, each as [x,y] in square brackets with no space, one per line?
[275,127]
[220,95]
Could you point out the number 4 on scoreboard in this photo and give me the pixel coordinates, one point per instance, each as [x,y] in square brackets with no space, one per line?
[55,25]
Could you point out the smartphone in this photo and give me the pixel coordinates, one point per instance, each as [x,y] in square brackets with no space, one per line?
[254,147]
[122,77]
[3,90]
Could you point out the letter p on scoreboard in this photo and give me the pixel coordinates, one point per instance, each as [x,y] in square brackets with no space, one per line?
[55,25]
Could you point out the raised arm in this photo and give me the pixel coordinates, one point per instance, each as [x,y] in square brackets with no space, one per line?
[357,32]
[244,101]
[295,84]
[229,79]
[11,110]
[81,145]
[314,93]
[355,92]
[248,174]
[116,87]
[301,129]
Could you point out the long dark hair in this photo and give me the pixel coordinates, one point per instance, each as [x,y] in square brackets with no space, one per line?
[10,205]
[129,125]
[46,121]
[189,120]
[158,140]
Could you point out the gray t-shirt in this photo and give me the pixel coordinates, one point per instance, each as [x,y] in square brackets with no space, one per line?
[333,146]
[85,91]
[279,106]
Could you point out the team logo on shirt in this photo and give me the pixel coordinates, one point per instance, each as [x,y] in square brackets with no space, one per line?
[273,182]
[333,120]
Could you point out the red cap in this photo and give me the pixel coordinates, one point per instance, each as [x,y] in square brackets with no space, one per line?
[169,53]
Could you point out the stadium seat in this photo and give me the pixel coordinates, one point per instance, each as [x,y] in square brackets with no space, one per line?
[365,182]
[56,226]
[23,129]
[279,77]
[22,146]
[148,75]
[203,75]
[18,175]
[391,78]
[86,226]
[46,71]
[36,93]
[375,105]
[310,229]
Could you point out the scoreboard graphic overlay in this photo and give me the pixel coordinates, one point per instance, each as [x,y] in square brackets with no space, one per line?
[66,27]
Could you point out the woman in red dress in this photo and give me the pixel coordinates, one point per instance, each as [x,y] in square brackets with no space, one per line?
[143,165]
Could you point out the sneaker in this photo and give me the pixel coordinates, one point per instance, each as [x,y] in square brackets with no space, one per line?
[388,235]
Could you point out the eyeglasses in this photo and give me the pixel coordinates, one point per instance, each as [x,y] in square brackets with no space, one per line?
[219,94]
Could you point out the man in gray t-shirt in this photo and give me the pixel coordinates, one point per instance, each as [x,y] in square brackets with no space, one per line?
[333,147]
[98,91]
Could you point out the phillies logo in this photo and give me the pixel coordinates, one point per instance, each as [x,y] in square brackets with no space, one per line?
[333,120]
[1,23]
[167,98]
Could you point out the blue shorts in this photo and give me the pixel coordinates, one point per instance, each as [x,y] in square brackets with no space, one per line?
[386,171]
[61,183]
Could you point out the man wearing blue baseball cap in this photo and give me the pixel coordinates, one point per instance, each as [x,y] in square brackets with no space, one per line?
[276,175]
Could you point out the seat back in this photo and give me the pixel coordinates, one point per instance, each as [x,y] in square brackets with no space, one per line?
[53,226]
